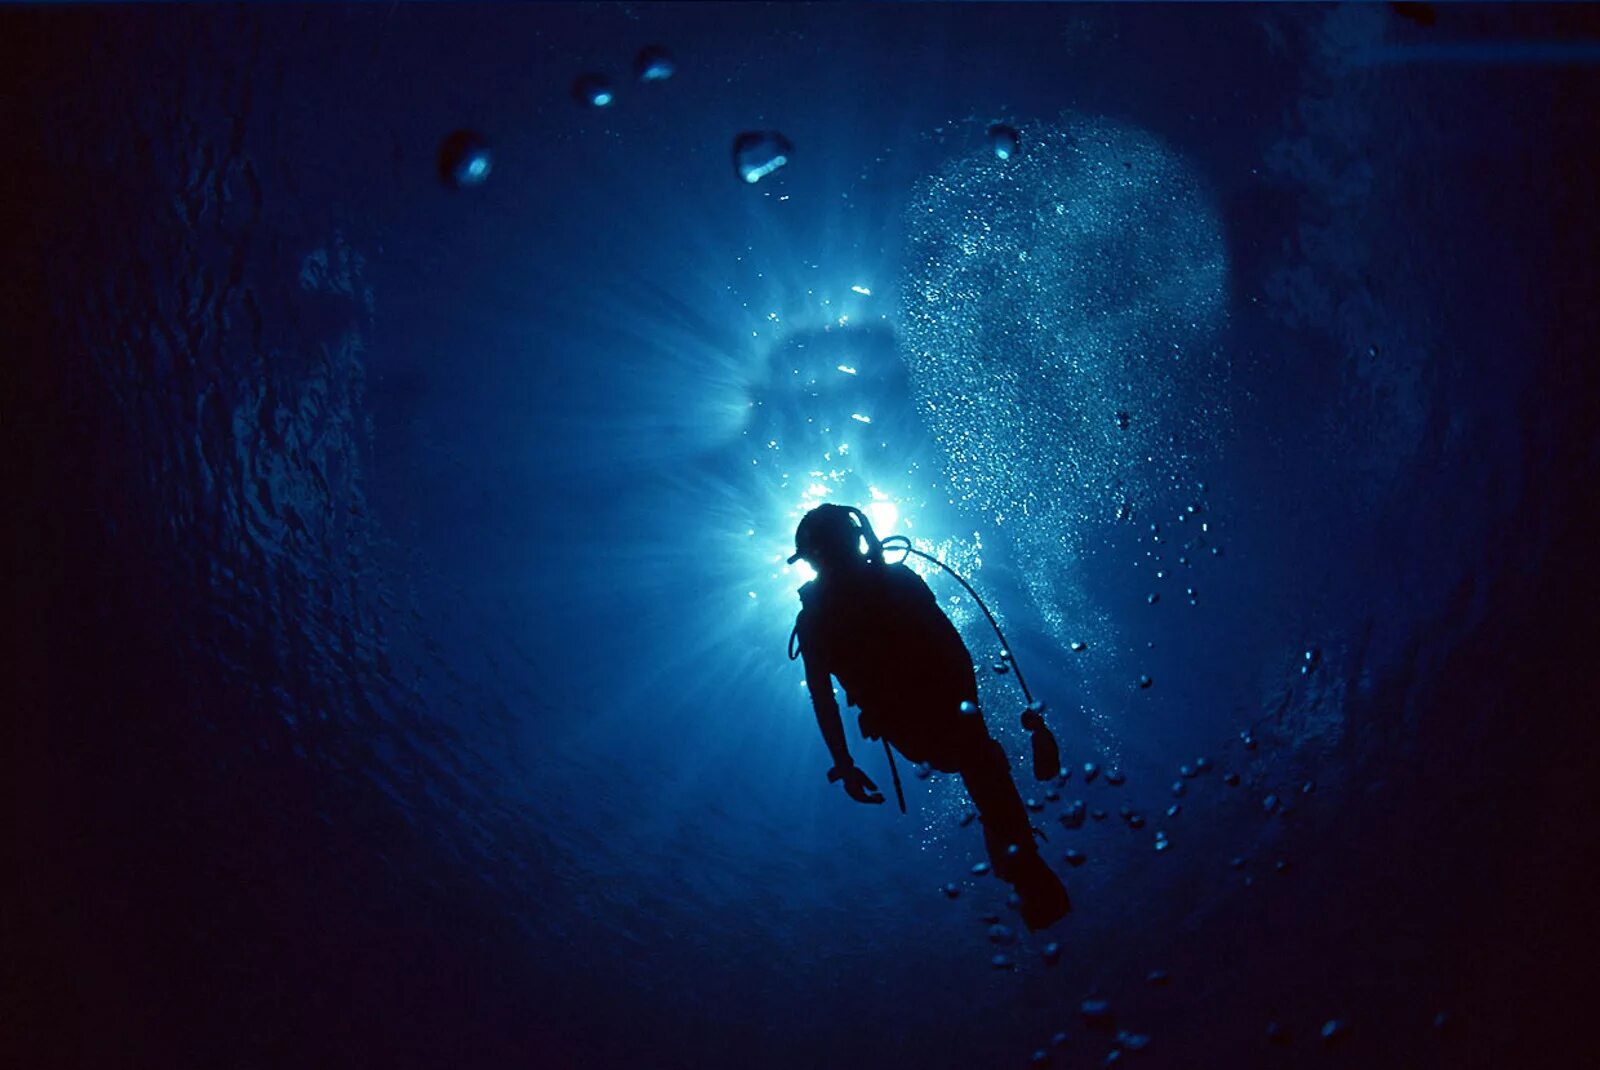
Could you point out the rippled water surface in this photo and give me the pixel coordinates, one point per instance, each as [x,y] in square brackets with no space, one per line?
[414,404]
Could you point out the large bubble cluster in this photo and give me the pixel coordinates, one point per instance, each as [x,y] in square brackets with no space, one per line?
[1057,317]
[1056,313]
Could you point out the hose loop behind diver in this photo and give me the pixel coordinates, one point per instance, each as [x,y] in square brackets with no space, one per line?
[1046,751]
[904,542]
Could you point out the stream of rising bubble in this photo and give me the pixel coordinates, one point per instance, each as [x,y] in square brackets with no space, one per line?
[1058,315]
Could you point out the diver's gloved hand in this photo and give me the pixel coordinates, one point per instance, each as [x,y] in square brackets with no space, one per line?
[857,784]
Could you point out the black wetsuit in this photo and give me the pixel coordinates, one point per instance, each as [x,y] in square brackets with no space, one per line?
[878,628]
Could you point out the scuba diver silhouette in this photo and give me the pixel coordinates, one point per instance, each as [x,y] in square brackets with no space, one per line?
[877,628]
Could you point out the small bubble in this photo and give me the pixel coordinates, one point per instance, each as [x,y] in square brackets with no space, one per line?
[593,91]
[1003,141]
[758,153]
[654,64]
[464,160]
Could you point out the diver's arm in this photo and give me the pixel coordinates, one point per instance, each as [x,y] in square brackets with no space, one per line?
[857,784]
[820,683]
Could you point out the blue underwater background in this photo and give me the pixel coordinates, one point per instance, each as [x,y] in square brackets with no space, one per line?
[398,577]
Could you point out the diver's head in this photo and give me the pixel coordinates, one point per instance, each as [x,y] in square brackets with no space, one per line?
[833,537]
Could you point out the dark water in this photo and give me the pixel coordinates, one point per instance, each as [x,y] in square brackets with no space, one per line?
[401,612]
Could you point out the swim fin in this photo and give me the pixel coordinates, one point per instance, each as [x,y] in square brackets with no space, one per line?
[1044,897]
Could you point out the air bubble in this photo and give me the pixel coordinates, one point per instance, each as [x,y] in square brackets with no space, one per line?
[654,64]
[1004,141]
[464,160]
[758,153]
[594,91]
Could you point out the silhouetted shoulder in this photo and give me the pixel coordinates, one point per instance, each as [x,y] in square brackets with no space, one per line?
[907,582]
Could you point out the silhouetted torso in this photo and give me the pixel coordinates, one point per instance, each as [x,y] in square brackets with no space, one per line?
[881,633]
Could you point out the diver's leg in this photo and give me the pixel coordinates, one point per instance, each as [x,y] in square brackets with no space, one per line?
[987,773]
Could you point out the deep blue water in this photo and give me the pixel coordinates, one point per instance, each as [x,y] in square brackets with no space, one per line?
[401,607]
